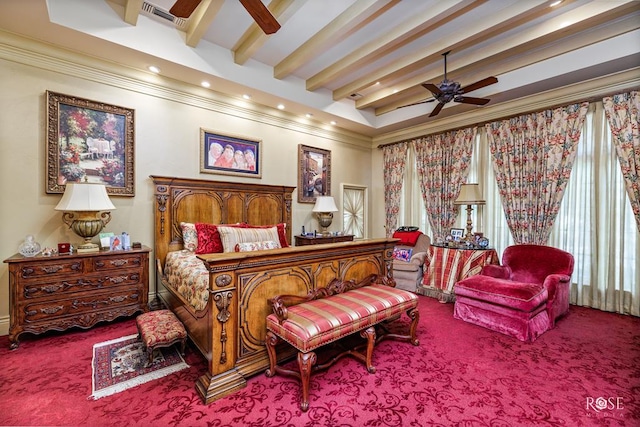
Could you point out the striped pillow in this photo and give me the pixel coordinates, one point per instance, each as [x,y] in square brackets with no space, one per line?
[231,236]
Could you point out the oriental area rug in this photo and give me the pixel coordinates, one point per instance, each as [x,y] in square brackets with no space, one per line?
[122,363]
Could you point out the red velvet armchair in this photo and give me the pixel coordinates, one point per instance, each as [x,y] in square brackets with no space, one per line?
[523,297]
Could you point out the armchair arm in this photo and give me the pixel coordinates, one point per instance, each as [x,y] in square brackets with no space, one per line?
[497,271]
[552,282]
[418,258]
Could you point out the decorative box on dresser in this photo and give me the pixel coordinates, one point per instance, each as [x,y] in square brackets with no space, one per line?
[62,291]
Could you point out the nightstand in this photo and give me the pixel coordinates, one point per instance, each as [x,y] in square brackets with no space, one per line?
[310,240]
[62,291]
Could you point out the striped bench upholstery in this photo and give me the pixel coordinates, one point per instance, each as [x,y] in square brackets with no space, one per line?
[332,313]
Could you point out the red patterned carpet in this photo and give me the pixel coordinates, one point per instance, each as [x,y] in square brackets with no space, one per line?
[586,372]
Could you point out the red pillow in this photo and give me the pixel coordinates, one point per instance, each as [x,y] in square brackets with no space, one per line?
[208,239]
[282,228]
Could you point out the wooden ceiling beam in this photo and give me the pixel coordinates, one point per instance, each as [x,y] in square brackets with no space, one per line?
[254,37]
[348,22]
[201,19]
[413,28]
[592,23]
[132,9]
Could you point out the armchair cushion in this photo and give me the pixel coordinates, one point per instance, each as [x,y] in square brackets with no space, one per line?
[409,273]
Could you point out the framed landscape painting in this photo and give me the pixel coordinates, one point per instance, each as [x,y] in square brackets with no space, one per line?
[314,173]
[89,141]
[230,155]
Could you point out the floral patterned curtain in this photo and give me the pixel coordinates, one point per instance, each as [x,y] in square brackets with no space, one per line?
[394,161]
[622,113]
[532,159]
[442,163]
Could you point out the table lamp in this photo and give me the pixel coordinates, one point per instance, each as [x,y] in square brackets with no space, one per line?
[324,208]
[469,195]
[84,205]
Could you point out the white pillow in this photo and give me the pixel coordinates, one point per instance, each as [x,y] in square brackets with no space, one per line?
[231,236]
[257,246]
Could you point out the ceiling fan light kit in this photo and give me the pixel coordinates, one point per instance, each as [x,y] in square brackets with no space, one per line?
[449,90]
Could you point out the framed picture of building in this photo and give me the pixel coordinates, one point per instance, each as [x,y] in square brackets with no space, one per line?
[314,173]
[89,141]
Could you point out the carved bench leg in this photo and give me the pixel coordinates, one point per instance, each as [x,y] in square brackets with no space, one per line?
[305,363]
[370,335]
[414,314]
[271,341]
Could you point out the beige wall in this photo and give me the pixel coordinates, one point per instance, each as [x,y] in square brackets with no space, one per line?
[168,118]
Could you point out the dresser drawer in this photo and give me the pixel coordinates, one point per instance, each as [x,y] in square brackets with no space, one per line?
[43,310]
[49,268]
[59,287]
[118,262]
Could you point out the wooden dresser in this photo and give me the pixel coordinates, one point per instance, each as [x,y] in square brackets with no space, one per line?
[320,239]
[63,291]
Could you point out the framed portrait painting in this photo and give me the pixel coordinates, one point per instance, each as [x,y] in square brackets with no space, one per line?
[314,173]
[89,141]
[230,155]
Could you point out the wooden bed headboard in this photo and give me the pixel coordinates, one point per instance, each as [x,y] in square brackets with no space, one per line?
[215,202]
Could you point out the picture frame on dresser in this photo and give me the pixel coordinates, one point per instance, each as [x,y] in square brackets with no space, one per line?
[89,141]
[230,154]
[314,173]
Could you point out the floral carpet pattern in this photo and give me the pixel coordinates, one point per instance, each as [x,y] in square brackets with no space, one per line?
[122,363]
[585,372]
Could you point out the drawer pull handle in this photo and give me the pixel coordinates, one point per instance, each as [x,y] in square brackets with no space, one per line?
[51,310]
[52,269]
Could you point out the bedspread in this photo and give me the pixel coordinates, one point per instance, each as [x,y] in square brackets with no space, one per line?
[188,275]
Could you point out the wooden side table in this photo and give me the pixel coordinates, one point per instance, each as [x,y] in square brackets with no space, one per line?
[310,240]
[62,291]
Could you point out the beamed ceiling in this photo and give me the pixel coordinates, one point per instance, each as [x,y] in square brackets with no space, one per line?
[351,61]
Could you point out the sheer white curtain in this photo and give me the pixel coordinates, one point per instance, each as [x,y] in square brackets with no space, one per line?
[596,224]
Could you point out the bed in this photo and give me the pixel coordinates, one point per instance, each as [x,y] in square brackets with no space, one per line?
[227,323]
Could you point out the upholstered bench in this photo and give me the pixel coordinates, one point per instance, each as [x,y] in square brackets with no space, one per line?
[329,314]
[160,328]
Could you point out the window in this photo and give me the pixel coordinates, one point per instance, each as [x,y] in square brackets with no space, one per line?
[354,210]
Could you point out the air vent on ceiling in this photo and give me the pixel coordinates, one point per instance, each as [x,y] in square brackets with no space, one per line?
[153,10]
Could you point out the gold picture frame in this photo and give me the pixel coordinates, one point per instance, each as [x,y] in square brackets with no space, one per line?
[89,141]
[314,173]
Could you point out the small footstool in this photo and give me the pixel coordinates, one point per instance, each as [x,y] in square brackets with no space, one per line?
[160,328]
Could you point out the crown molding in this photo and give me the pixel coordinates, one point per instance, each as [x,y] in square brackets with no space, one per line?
[30,52]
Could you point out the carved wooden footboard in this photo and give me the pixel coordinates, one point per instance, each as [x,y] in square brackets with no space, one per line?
[230,331]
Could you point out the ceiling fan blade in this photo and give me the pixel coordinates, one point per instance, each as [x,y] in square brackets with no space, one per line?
[479,84]
[471,100]
[437,109]
[432,88]
[184,8]
[417,103]
[261,15]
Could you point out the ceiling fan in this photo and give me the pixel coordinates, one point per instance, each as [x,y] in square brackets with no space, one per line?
[259,12]
[449,90]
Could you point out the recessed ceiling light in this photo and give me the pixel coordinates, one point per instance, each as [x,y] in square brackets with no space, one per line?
[308,115]
[555,3]
[280,106]
[333,122]
[153,69]
[246,96]
[205,84]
